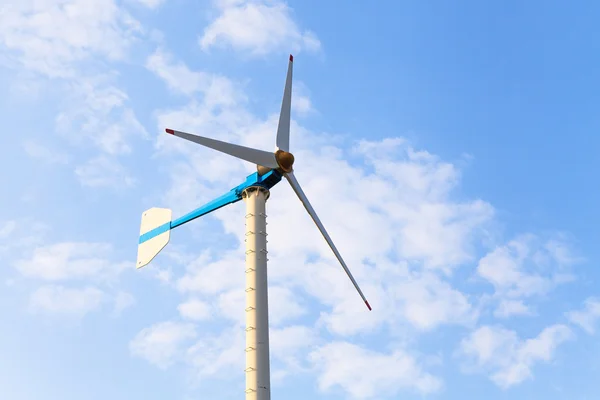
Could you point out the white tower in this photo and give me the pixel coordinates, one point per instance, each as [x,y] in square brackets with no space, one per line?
[258,381]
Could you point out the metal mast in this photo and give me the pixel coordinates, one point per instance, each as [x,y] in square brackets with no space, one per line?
[258,381]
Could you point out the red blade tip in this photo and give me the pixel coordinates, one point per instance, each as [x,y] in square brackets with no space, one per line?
[368,305]
[170,131]
[291,58]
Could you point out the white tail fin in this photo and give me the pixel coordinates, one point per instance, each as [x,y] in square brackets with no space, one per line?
[155,233]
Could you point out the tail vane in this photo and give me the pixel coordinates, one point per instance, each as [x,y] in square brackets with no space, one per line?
[155,232]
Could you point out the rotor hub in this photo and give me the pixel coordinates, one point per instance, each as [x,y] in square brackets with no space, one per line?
[285,160]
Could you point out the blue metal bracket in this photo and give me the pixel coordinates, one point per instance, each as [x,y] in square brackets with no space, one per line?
[267,181]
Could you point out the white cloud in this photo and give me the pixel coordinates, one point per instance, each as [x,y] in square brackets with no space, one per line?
[508,308]
[211,277]
[163,275]
[413,190]
[218,90]
[70,41]
[367,374]
[87,265]
[588,317]
[288,348]
[43,153]
[284,305]
[257,27]
[177,75]
[66,301]
[289,340]
[163,343]
[96,112]
[301,103]
[195,309]
[122,301]
[429,302]
[53,37]
[22,235]
[522,268]
[70,260]
[561,251]
[150,3]
[525,267]
[7,228]
[104,171]
[505,357]
[422,301]
[231,305]
[218,355]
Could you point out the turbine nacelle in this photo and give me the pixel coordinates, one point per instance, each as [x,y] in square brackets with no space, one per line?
[285,160]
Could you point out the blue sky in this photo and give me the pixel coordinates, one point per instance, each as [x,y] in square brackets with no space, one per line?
[456,146]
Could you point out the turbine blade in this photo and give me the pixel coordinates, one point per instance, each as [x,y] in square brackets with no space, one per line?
[311,211]
[258,157]
[283,129]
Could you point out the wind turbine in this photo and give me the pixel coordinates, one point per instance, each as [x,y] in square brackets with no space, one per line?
[271,167]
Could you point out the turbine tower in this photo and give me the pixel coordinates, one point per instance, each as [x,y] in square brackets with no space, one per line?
[271,167]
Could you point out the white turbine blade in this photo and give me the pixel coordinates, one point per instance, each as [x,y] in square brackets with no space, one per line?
[311,211]
[258,157]
[283,129]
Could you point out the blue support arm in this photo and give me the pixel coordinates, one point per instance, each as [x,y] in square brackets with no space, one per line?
[228,198]
[267,180]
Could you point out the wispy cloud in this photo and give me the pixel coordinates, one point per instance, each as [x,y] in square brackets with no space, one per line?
[60,300]
[153,4]
[39,151]
[257,28]
[343,364]
[162,343]
[69,261]
[104,171]
[195,310]
[70,42]
[587,318]
[505,357]
[526,267]
[53,38]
